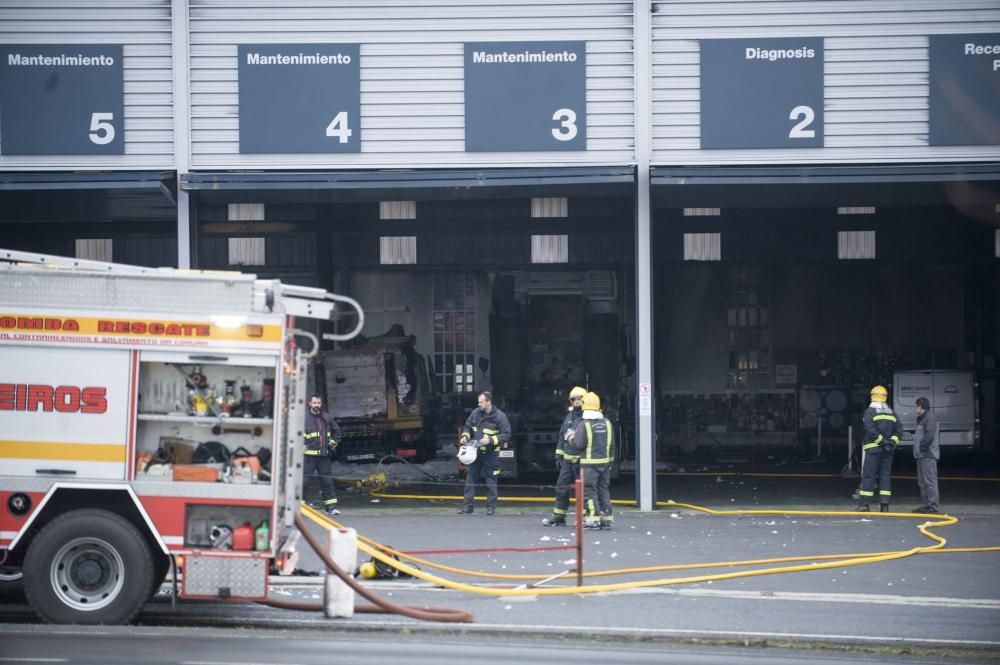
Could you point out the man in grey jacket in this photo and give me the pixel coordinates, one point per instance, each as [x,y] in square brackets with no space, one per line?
[927,453]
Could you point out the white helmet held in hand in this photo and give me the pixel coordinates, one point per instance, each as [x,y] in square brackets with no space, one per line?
[467,454]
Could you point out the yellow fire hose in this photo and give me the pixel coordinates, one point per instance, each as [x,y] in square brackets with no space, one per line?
[396,558]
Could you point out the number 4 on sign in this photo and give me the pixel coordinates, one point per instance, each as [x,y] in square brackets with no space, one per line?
[338,127]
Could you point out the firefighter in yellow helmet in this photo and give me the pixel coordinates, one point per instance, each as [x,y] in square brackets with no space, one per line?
[567,464]
[594,442]
[882,433]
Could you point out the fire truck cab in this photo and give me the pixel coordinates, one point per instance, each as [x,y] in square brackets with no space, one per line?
[150,419]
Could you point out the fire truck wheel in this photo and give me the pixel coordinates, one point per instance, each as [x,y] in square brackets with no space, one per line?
[88,567]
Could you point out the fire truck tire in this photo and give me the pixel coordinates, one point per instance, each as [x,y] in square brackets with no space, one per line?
[88,567]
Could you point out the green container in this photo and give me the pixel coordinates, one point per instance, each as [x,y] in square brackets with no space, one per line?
[262,537]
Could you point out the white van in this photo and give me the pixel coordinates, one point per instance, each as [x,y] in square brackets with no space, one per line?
[953,400]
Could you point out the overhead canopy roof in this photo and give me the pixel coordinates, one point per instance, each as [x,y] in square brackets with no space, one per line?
[321,186]
[820,186]
[87,196]
[84,180]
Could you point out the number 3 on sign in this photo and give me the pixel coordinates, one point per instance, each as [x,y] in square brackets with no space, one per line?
[101,131]
[566,131]
[799,131]
[338,127]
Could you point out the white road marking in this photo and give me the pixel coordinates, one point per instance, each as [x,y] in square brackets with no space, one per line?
[33,660]
[224,662]
[805,596]
[880,639]
[799,596]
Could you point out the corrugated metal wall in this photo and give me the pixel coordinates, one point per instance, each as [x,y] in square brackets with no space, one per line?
[412,82]
[875,83]
[143,29]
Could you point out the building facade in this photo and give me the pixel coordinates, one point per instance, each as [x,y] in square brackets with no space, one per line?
[730,218]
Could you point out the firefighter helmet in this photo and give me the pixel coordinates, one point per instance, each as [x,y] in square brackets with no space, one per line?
[879,394]
[467,454]
[591,402]
[577,391]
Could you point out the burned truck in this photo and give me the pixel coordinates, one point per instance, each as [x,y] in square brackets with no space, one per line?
[379,392]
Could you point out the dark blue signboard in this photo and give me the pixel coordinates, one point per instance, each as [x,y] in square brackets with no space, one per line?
[61,100]
[762,93]
[525,96]
[965,89]
[300,98]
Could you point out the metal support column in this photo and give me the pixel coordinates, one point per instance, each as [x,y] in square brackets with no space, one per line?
[182,124]
[645,449]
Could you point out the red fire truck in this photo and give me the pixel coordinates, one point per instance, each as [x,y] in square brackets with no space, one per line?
[150,419]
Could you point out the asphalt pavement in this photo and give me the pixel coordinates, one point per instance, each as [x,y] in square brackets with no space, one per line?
[943,599]
[693,585]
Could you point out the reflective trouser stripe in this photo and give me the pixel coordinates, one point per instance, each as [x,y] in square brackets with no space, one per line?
[558,511]
[312,452]
[866,493]
[496,472]
[330,502]
[591,508]
[884,493]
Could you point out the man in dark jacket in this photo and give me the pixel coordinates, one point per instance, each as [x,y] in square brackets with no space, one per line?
[321,435]
[594,442]
[487,427]
[927,453]
[567,463]
[882,433]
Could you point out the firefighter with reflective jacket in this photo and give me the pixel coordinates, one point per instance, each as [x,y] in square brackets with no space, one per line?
[882,432]
[567,464]
[488,428]
[321,434]
[593,440]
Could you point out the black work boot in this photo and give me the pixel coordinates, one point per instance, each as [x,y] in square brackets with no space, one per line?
[555,520]
[465,511]
[862,508]
[883,507]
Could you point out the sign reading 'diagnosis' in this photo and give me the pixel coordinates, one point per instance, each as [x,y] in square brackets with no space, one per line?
[61,100]
[525,96]
[300,98]
[964,95]
[762,93]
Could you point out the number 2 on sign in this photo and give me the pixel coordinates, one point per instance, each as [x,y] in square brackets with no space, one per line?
[566,131]
[338,127]
[799,131]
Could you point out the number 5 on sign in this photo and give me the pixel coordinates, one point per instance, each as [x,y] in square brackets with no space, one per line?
[102,132]
[338,127]
[566,131]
